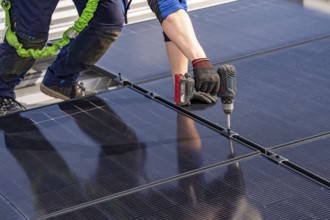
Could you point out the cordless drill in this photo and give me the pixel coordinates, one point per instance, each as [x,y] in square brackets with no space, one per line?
[227,90]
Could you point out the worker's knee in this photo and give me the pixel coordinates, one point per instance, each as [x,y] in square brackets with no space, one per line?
[103,40]
[109,15]
[31,41]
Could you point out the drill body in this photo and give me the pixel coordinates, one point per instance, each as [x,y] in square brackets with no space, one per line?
[227,89]
[184,88]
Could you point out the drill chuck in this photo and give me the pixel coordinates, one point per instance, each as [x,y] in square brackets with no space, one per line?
[228,108]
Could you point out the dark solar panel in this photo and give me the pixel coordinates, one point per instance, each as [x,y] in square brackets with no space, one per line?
[82,150]
[313,156]
[225,31]
[7,211]
[250,189]
[121,155]
[281,97]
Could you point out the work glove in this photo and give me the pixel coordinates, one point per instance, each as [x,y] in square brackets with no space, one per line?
[206,77]
[203,97]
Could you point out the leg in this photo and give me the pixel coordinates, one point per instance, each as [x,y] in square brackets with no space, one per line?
[79,55]
[179,29]
[31,22]
[178,61]
[176,23]
[89,46]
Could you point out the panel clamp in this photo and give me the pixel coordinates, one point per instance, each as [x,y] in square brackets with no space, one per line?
[277,158]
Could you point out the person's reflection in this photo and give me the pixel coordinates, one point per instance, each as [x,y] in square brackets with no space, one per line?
[189,147]
[121,167]
[222,197]
[121,152]
[120,163]
[46,170]
[318,5]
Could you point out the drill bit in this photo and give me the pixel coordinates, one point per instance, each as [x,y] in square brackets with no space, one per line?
[228,124]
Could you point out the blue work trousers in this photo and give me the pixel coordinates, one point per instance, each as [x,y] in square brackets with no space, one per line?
[31,20]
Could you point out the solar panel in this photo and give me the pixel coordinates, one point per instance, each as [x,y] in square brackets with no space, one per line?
[250,189]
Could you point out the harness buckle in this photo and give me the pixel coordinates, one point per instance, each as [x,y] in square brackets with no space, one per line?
[5,4]
[71,33]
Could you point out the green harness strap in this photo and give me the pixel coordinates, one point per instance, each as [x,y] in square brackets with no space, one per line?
[70,33]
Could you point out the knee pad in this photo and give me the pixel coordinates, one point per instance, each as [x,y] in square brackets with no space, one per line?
[91,45]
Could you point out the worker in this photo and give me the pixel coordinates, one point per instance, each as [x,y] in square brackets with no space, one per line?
[182,46]
[31,21]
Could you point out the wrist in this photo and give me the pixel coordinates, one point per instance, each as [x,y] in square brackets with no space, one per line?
[201,63]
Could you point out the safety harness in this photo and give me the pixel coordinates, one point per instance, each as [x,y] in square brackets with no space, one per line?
[70,33]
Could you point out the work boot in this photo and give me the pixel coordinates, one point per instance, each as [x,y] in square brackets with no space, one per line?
[66,92]
[9,105]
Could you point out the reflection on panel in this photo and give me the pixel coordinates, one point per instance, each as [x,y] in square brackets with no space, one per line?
[9,212]
[82,150]
[252,189]
[319,5]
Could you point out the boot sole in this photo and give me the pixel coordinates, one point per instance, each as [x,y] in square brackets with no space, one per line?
[44,89]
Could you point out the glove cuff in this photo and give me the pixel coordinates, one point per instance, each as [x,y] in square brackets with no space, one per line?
[201,63]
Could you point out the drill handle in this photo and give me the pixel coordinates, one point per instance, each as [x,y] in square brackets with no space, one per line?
[227,89]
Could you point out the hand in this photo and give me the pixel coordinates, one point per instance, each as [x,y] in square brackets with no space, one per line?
[207,80]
